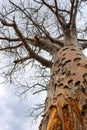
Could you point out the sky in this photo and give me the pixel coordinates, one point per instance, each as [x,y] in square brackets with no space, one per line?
[13,111]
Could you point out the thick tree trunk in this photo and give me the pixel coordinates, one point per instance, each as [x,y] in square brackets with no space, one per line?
[66,102]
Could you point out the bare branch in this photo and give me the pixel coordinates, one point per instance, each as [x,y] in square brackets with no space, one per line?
[10,39]
[10,47]
[47,5]
[74,7]
[71,13]
[39,91]
[37,2]
[42,43]
[33,86]
[63,10]
[82,40]
[43,29]
[60,18]
[32,54]
[83,45]
[21,60]
[40,59]
[56,7]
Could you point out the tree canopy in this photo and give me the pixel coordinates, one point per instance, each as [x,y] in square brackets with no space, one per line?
[31,31]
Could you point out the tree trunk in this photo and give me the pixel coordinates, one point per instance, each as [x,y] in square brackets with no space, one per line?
[66,103]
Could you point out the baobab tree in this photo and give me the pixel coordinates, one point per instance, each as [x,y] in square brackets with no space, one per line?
[31,28]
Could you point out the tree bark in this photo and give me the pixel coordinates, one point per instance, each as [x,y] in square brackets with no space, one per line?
[66,103]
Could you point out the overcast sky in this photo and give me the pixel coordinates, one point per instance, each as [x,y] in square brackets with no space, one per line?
[13,111]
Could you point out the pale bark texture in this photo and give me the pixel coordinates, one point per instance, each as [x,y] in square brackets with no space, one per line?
[66,101]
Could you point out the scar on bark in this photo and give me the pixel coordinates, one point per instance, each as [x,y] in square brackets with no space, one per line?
[54,121]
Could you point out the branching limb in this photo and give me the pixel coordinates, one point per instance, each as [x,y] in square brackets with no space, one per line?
[60,18]
[56,6]
[40,59]
[32,54]
[39,91]
[28,15]
[82,40]
[47,5]
[10,47]
[83,45]
[37,1]
[31,88]
[10,39]
[42,28]
[73,12]
[43,43]
[21,60]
